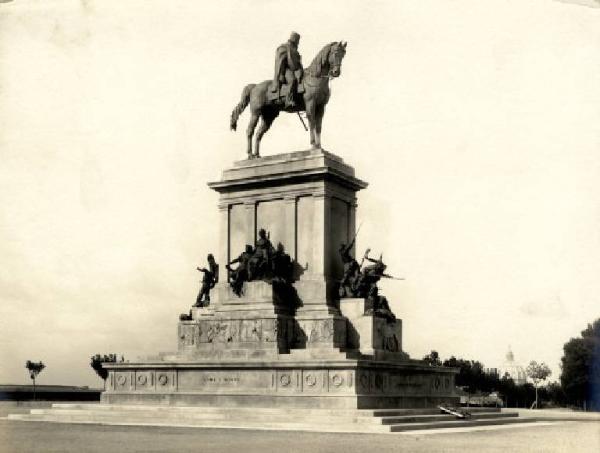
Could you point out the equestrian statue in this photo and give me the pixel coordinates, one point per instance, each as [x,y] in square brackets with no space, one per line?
[293,90]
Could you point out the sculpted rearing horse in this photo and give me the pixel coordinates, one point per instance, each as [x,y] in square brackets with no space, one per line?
[327,64]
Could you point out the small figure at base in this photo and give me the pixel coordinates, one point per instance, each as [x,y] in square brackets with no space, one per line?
[209,280]
[261,262]
[186,316]
[282,266]
[378,305]
[351,269]
[368,276]
[241,274]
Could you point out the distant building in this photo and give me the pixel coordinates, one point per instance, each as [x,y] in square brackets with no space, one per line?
[493,372]
[513,369]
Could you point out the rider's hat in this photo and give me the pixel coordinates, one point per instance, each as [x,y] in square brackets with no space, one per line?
[294,37]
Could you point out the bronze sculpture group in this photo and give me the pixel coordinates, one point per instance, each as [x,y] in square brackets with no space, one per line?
[361,282]
[262,262]
[292,90]
[272,264]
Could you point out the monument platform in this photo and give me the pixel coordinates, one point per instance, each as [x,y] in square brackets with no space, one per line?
[249,352]
[320,420]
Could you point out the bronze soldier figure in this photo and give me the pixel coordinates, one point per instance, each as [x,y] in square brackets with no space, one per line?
[241,274]
[364,278]
[282,266]
[288,68]
[209,280]
[351,269]
[377,305]
[369,276]
[260,264]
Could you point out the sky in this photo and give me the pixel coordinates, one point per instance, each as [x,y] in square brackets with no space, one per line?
[477,125]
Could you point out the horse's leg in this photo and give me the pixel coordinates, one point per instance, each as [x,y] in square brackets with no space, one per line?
[319,112]
[267,120]
[310,115]
[250,131]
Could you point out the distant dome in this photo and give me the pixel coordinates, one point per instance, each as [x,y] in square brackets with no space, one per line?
[515,371]
[510,357]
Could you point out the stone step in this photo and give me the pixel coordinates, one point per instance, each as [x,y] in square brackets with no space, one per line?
[386,417]
[271,410]
[190,416]
[332,426]
[458,424]
[428,411]
[442,417]
[332,353]
[215,410]
[260,415]
[266,414]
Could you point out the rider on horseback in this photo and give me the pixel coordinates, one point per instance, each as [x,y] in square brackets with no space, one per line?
[311,95]
[288,68]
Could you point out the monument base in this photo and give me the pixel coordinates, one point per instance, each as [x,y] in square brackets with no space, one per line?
[261,349]
[343,383]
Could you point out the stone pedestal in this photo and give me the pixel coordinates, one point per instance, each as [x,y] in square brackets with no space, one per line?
[258,325]
[306,200]
[371,335]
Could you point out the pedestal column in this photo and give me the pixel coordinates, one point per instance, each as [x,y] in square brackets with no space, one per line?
[250,214]
[352,224]
[320,237]
[222,255]
[290,214]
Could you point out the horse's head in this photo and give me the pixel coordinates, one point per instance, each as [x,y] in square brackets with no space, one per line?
[328,62]
[336,55]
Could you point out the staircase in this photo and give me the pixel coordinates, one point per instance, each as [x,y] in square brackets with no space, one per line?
[323,420]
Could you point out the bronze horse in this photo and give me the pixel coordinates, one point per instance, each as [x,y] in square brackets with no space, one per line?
[327,64]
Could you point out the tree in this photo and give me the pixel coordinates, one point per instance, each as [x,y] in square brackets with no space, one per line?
[580,376]
[34,369]
[555,393]
[472,375]
[508,389]
[97,361]
[537,373]
[433,358]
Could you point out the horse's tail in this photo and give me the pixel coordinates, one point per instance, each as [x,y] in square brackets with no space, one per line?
[237,111]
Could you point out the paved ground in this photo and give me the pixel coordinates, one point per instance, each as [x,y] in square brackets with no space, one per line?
[559,414]
[551,436]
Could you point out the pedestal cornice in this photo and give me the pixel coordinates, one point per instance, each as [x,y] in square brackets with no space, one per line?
[288,168]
